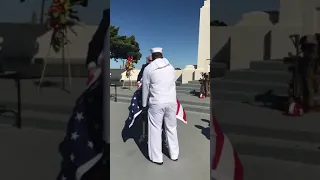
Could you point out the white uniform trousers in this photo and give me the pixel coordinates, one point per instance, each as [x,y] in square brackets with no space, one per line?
[157,114]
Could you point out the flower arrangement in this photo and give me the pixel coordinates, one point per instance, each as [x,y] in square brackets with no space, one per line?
[60,17]
[129,66]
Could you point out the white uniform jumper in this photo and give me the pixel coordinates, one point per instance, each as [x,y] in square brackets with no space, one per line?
[159,93]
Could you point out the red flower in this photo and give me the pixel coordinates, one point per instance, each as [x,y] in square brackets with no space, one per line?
[130,58]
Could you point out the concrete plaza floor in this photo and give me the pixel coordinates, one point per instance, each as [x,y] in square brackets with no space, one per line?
[29,153]
[271,145]
[127,161]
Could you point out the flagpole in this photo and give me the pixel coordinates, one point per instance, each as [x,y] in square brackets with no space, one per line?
[106,87]
[42,11]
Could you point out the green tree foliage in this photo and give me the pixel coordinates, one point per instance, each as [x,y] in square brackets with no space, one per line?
[121,47]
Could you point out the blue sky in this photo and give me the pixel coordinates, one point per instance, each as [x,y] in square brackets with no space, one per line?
[230,11]
[170,24]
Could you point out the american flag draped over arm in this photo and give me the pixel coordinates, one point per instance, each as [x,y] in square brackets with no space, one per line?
[135,108]
[83,146]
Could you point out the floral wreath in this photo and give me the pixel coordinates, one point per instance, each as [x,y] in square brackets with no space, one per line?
[129,66]
[60,17]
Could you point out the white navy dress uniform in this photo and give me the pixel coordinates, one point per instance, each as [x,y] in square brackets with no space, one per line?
[159,94]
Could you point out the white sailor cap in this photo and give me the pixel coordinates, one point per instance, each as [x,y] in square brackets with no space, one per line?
[156,50]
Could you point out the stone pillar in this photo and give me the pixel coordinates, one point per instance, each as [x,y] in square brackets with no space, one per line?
[291,12]
[187,74]
[204,38]
[308,18]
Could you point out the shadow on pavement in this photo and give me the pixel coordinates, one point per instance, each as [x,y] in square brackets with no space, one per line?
[135,133]
[49,84]
[52,84]
[272,101]
[195,93]
[204,130]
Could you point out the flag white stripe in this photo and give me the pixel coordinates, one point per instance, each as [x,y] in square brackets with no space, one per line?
[180,114]
[134,118]
[87,166]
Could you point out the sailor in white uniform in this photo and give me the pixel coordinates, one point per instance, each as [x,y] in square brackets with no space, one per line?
[159,96]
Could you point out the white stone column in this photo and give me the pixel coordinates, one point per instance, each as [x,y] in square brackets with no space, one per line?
[204,39]
[187,74]
[291,12]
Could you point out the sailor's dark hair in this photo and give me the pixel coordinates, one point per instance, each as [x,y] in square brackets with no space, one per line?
[156,55]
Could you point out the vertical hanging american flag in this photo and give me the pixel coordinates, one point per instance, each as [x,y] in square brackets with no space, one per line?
[226,164]
[136,106]
[83,146]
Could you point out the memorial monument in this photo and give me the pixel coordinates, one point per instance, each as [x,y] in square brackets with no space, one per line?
[203,63]
[264,35]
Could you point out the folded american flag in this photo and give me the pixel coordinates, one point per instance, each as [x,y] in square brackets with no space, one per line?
[83,145]
[136,106]
[226,164]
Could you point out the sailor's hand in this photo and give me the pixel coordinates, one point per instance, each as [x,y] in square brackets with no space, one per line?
[92,67]
[139,84]
[91,74]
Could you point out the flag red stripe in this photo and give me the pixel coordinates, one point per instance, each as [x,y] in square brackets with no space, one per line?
[178,109]
[184,115]
[238,171]
[219,142]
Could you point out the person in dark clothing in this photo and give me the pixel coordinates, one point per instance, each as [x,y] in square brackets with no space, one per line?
[149,59]
[308,70]
[141,72]
[96,44]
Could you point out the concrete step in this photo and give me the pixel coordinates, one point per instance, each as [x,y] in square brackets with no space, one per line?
[285,150]
[253,131]
[259,76]
[269,65]
[248,86]
[185,91]
[196,82]
[218,65]
[188,88]
[203,108]
[223,95]
[134,83]
[217,69]
[248,97]
[190,85]
[183,98]
[262,122]
[236,96]
[264,168]
[266,133]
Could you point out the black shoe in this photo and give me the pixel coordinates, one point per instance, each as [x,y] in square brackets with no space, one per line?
[174,159]
[158,163]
